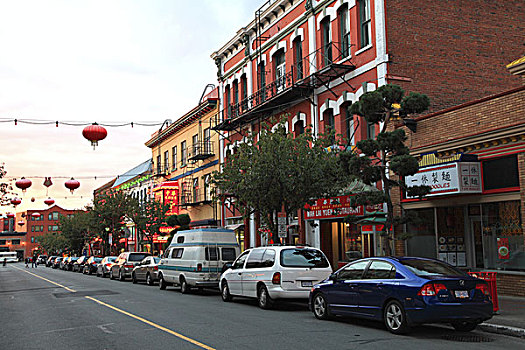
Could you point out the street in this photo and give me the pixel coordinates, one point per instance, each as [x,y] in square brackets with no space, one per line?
[53,309]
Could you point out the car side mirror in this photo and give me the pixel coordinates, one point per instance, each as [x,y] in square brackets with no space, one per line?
[333,277]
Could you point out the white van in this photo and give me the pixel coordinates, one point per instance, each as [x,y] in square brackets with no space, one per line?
[195,258]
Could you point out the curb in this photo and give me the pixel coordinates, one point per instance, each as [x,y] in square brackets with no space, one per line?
[500,329]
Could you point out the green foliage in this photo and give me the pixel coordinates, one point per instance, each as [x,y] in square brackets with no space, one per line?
[418,191]
[54,243]
[148,217]
[391,94]
[369,147]
[180,222]
[74,231]
[173,221]
[404,165]
[280,171]
[393,142]
[415,103]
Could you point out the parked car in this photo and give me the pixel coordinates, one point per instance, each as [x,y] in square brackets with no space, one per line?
[91,265]
[51,260]
[104,266]
[57,262]
[78,265]
[64,262]
[147,270]
[403,292]
[41,260]
[275,272]
[195,258]
[70,263]
[125,263]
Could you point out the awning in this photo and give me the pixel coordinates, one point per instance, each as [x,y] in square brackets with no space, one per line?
[167,185]
[375,220]
[235,227]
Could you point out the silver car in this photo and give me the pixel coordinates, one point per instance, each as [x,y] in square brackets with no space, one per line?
[147,270]
[104,266]
[125,263]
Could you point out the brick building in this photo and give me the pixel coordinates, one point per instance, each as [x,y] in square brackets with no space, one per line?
[473,155]
[308,61]
[12,239]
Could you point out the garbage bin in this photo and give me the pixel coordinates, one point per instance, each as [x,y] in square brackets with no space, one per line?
[490,277]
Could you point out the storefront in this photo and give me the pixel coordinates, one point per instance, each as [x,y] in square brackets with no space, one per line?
[476,226]
[339,240]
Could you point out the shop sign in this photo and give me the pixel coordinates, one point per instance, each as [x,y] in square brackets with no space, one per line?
[455,178]
[168,193]
[335,207]
[166,229]
[503,248]
[160,239]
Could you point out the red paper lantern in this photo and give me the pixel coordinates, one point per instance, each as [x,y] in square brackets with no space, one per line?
[23,184]
[94,133]
[15,201]
[10,215]
[72,184]
[49,201]
[32,199]
[21,222]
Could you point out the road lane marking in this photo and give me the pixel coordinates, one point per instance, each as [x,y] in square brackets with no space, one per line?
[178,335]
[45,279]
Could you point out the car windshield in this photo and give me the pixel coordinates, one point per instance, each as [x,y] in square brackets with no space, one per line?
[137,257]
[300,257]
[112,259]
[422,268]
[156,260]
[98,259]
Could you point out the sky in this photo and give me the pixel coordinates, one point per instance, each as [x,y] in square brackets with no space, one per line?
[100,61]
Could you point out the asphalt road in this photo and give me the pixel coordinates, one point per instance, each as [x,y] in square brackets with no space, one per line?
[52,309]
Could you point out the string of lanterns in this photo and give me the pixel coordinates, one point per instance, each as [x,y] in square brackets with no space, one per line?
[24,184]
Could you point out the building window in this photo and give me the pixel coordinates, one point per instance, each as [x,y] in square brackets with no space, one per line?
[15,241]
[494,178]
[364,23]
[344,31]
[174,157]
[207,187]
[32,239]
[298,128]
[298,58]
[33,228]
[280,70]
[50,216]
[329,124]
[183,154]
[56,215]
[207,141]
[235,98]
[350,126]
[166,161]
[159,165]
[195,142]
[195,190]
[261,81]
[227,102]
[370,130]
[244,92]
[3,242]
[326,41]
[423,238]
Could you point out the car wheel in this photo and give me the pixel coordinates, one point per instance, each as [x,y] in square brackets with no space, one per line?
[98,274]
[111,277]
[149,280]
[134,278]
[184,288]
[225,292]
[320,307]
[264,299]
[162,283]
[464,326]
[121,277]
[395,318]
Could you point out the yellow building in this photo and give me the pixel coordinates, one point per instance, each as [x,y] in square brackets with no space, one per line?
[185,153]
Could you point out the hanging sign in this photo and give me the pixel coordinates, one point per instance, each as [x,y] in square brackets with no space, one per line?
[503,248]
[281,225]
[335,207]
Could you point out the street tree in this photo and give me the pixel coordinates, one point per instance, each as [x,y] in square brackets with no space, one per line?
[74,231]
[107,216]
[54,243]
[280,172]
[386,158]
[179,223]
[148,218]
[6,189]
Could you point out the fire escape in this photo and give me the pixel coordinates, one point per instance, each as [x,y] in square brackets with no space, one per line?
[315,70]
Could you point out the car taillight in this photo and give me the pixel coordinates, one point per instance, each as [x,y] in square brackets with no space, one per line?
[431,289]
[128,266]
[199,267]
[155,268]
[108,265]
[276,279]
[483,288]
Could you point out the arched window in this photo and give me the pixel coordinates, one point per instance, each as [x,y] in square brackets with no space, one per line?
[344,31]
[326,38]
[298,59]
[280,70]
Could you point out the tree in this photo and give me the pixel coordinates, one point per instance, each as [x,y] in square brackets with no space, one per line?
[74,231]
[148,217]
[387,154]
[180,223]
[107,215]
[5,188]
[54,243]
[281,172]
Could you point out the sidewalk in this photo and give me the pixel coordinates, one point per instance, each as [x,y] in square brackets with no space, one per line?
[510,319]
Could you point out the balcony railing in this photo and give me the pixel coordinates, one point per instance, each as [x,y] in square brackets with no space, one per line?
[194,196]
[161,169]
[317,69]
[201,150]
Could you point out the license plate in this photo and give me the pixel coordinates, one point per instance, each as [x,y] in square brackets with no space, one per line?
[306,283]
[461,294]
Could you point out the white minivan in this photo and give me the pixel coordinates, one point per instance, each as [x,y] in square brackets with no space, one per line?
[195,258]
[275,272]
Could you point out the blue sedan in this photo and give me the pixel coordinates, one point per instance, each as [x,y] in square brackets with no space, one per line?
[403,292]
